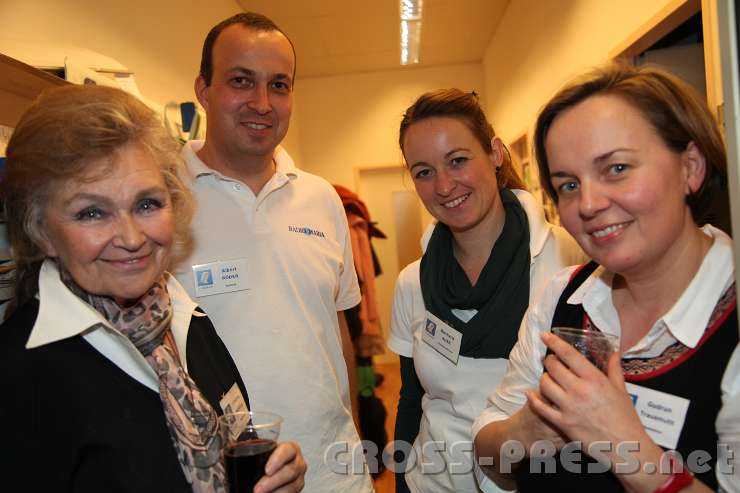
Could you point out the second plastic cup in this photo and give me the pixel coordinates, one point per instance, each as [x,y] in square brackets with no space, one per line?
[593,344]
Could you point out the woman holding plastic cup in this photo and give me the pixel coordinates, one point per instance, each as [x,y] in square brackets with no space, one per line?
[632,157]
[112,379]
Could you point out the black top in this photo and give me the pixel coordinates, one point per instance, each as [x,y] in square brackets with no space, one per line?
[74,421]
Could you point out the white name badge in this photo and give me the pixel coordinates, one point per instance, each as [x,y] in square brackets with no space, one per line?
[442,338]
[661,414]
[220,277]
[233,401]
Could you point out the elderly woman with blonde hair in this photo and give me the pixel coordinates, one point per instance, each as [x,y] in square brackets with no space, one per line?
[112,379]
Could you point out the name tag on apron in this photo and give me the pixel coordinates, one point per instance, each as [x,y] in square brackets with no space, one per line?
[662,414]
[220,277]
[442,338]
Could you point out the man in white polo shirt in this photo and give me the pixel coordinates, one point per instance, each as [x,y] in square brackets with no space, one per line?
[272,262]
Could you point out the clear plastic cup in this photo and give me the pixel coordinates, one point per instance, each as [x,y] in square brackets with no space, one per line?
[593,344]
[249,439]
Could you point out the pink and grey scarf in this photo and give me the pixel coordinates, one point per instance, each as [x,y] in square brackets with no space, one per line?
[192,422]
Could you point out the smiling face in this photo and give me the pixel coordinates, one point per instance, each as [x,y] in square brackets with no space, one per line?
[453,175]
[250,98]
[621,190]
[113,234]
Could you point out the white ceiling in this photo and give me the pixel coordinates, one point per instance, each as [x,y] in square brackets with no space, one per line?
[161,40]
[340,36]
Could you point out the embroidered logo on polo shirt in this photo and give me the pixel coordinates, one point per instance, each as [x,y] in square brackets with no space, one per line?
[204,277]
[306,231]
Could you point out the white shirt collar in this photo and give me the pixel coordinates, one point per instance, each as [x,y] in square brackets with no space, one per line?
[284,165]
[539,228]
[63,315]
[686,320]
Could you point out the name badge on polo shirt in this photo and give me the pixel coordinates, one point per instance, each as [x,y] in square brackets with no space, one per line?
[661,414]
[220,277]
[442,338]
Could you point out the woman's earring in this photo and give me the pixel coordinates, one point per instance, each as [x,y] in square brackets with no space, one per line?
[498,168]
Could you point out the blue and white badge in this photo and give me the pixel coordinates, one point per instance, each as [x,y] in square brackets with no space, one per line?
[442,338]
[661,414]
[220,277]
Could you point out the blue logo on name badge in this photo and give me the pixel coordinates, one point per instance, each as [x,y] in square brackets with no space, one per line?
[431,328]
[204,277]
[634,399]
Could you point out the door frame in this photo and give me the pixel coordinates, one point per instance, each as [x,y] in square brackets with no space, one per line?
[666,20]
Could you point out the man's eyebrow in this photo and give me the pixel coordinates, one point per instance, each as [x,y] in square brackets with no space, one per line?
[241,70]
[251,73]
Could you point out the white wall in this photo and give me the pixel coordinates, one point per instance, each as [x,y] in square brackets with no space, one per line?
[352,120]
[157,39]
[349,120]
[540,45]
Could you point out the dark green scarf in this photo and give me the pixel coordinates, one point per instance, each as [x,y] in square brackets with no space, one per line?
[501,294]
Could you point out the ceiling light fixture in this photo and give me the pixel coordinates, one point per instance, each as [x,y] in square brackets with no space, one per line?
[410,30]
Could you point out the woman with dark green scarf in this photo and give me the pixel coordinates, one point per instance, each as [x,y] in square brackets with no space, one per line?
[457,310]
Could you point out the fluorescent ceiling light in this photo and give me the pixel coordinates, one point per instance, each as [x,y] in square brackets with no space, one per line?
[410,30]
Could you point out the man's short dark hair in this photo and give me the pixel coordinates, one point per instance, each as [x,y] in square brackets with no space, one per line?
[250,20]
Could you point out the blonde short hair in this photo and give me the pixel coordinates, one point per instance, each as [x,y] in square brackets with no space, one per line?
[70,132]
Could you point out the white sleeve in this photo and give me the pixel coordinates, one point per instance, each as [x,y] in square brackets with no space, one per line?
[348,294]
[524,367]
[728,428]
[408,288]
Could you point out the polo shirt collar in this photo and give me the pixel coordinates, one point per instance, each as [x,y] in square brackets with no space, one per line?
[284,165]
[686,320]
[539,229]
[195,167]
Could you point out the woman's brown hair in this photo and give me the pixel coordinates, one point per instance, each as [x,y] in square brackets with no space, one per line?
[673,108]
[454,103]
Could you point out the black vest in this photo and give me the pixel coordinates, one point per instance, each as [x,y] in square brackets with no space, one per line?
[695,375]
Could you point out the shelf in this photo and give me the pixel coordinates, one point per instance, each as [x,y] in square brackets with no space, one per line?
[20,84]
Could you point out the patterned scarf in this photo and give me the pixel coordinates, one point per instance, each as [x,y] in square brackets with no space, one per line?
[192,422]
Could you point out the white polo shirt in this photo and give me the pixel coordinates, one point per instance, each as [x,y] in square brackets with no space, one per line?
[291,250]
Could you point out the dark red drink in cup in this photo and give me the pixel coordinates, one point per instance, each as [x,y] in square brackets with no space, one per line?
[249,439]
[245,463]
